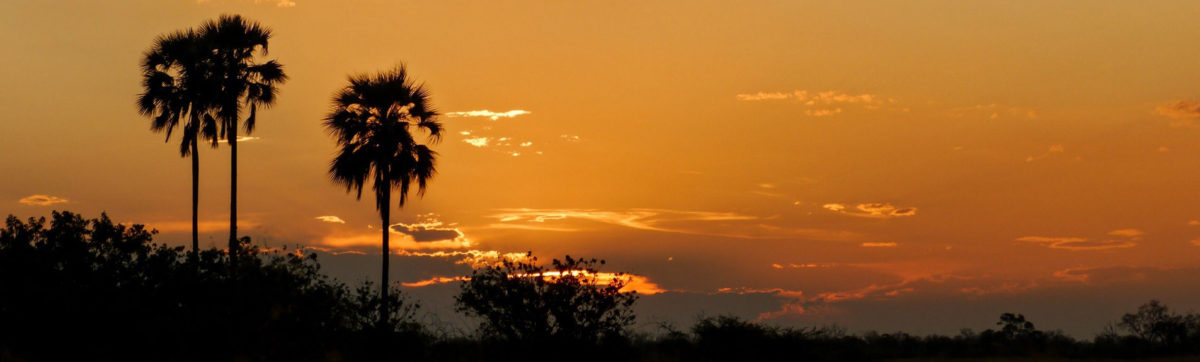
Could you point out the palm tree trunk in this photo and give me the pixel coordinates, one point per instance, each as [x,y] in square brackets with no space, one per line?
[195,199]
[383,288]
[234,246]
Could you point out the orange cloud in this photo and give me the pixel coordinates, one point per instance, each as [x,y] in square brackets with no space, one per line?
[1130,233]
[642,219]
[278,3]
[1185,112]
[872,210]
[41,200]
[821,104]
[1106,275]
[1078,244]
[434,280]
[994,111]
[202,226]
[331,219]
[427,233]
[878,244]
[489,114]
[1053,149]
[635,283]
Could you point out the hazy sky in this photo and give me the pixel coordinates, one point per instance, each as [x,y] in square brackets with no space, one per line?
[916,165]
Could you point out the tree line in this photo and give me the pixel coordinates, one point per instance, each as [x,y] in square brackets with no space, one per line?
[73,288]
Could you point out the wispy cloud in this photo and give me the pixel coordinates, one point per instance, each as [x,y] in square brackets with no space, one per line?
[427,233]
[821,104]
[474,257]
[429,230]
[41,200]
[1129,233]
[477,141]
[489,114]
[204,226]
[1052,150]
[331,219]
[1078,243]
[712,223]
[871,210]
[278,3]
[994,111]
[1184,112]
[642,219]
[635,283]
[878,244]
[801,266]
[242,139]
[506,145]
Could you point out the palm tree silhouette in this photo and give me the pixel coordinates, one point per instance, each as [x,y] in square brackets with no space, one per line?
[235,42]
[373,119]
[177,89]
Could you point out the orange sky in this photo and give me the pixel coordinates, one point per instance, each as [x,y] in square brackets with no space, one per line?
[798,162]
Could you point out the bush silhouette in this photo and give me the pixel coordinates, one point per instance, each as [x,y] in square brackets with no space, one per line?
[522,300]
[93,288]
[90,289]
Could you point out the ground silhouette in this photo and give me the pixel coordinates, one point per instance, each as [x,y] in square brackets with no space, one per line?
[82,289]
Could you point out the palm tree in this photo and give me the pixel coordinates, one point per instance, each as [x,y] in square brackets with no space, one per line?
[373,119]
[241,81]
[176,89]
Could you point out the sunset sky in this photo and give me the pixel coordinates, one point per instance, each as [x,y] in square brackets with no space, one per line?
[888,165]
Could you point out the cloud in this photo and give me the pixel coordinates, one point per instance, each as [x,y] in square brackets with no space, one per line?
[202,226]
[1105,275]
[427,233]
[878,244]
[821,104]
[41,200]
[242,139]
[801,266]
[331,219]
[994,111]
[278,3]
[1053,149]
[1129,233]
[1185,112]
[872,210]
[489,114]
[763,96]
[1078,244]
[477,141]
[642,219]
[506,145]
[635,283]
[434,280]
[720,224]
[473,258]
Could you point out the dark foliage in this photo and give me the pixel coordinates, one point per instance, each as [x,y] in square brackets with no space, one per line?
[81,288]
[90,289]
[523,300]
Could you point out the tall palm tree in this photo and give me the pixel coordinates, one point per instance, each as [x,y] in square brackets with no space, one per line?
[177,89]
[373,120]
[235,42]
